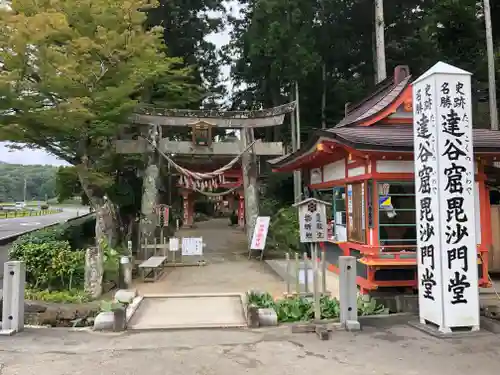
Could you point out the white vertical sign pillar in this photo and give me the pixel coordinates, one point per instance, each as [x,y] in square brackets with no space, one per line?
[313,229]
[444,186]
[13,297]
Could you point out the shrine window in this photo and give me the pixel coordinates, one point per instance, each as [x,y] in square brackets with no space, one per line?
[397,216]
[339,214]
[356,225]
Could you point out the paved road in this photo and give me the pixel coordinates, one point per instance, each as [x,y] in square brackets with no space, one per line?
[389,350]
[9,227]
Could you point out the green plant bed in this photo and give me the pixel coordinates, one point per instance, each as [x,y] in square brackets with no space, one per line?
[297,309]
[57,296]
[66,308]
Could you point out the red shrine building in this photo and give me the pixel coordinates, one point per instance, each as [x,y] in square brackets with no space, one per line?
[366,162]
[231,180]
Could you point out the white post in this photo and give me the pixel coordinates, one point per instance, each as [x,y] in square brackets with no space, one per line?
[348,291]
[317,306]
[129,248]
[444,185]
[13,297]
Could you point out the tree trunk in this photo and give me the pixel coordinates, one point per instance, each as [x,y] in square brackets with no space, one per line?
[323,96]
[380,40]
[491,67]
[106,229]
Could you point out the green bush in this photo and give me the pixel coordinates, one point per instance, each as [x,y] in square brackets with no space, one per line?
[284,230]
[41,236]
[51,264]
[79,233]
[297,308]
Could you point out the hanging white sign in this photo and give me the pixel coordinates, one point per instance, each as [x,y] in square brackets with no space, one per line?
[312,220]
[260,233]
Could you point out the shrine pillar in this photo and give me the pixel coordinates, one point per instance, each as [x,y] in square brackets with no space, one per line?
[241,211]
[187,209]
[230,202]
[149,200]
[250,181]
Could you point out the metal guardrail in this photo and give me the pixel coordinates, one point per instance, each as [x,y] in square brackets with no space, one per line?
[8,239]
[12,214]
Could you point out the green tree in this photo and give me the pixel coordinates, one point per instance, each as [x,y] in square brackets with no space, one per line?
[40,182]
[327,46]
[186,25]
[72,73]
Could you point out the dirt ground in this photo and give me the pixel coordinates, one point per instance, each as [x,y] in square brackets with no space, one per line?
[391,350]
[227,266]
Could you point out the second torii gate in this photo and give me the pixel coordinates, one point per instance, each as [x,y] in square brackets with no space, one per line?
[202,122]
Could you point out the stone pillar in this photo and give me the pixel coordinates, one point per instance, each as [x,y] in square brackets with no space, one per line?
[191,209]
[94,272]
[150,190]
[241,212]
[250,182]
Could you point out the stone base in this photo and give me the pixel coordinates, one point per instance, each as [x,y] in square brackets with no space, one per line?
[104,321]
[59,314]
[432,330]
[117,319]
[352,325]
[7,332]
[267,317]
[322,332]
[253,317]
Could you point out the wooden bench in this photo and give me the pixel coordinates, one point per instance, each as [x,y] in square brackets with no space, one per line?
[154,265]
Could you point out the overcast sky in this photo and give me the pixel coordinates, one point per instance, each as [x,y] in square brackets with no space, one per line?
[41,157]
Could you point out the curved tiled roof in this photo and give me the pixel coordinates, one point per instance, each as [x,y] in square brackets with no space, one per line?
[387,92]
[386,138]
[400,138]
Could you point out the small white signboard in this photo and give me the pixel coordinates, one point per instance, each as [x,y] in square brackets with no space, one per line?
[173,244]
[444,184]
[192,246]
[260,233]
[312,220]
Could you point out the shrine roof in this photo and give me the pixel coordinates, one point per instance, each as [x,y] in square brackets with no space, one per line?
[384,94]
[386,138]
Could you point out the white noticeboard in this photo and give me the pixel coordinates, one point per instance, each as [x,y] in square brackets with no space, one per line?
[192,246]
[260,233]
[173,244]
[312,220]
[444,185]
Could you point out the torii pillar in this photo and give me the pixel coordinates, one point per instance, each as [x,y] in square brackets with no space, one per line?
[241,210]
